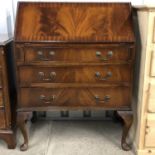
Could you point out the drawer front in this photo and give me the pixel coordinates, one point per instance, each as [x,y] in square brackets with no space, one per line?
[107,97]
[152,68]
[150,131]
[151,98]
[2,120]
[93,74]
[77,54]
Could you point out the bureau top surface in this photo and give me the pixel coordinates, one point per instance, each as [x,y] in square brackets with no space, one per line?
[74,22]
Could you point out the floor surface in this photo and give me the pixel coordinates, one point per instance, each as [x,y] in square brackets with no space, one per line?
[70,138]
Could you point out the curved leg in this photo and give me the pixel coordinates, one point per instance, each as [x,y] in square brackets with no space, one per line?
[127,117]
[22,117]
[9,137]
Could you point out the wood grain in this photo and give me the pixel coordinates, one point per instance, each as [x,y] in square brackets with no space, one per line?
[74,22]
[1,99]
[73,56]
[2,120]
[75,97]
[1,79]
[77,74]
[9,137]
[7,93]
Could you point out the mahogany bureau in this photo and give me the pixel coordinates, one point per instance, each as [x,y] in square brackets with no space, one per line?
[74,56]
[7,111]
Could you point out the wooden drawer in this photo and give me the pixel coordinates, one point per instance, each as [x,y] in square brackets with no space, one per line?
[107,97]
[2,119]
[150,131]
[151,98]
[107,54]
[152,68]
[93,74]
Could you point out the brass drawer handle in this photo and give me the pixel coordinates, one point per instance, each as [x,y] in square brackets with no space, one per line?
[41,56]
[105,99]
[104,58]
[106,77]
[51,53]
[47,100]
[52,76]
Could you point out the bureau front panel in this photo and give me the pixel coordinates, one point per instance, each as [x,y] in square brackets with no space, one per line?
[74,22]
[79,74]
[2,119]
[107,97]
[107,54]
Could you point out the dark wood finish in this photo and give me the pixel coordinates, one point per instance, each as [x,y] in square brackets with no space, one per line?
[1,97]
[91,54]
[73,56]
[127,117]
[77,74]
[2,120]
[7,94]
[1,60]
[1,85]
[9,137]
[113,97]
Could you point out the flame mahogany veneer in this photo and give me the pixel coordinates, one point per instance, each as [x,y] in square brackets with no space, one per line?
[74,56]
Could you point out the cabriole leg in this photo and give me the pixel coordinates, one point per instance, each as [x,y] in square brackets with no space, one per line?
[127,117]
[22,118]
